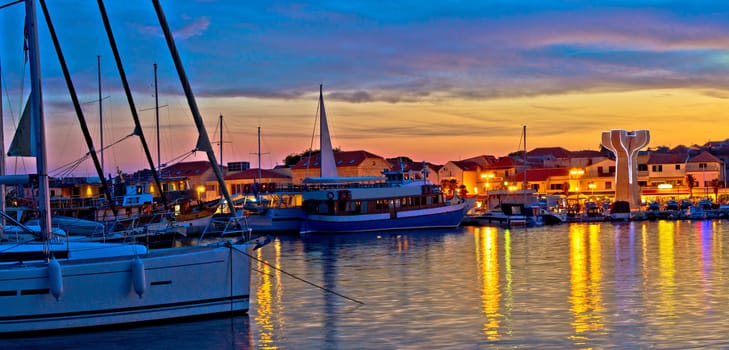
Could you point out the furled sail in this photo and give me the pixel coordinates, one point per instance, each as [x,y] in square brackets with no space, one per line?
[23,143]
[328,166]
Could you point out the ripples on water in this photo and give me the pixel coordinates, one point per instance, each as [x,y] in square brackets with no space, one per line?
[630,285]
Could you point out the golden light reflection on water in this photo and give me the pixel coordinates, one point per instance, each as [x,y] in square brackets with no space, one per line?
[487,245]
[265,296]
[667,271]
[585,279]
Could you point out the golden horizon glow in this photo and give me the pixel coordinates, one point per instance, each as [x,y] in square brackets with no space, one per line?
[438,132]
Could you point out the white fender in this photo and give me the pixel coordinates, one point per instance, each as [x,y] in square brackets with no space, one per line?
[55,277]
[139,280]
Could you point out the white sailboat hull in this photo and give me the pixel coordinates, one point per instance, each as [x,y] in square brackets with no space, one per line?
[175,283]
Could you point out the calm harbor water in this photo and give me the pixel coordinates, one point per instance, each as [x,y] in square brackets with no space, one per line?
[658,284]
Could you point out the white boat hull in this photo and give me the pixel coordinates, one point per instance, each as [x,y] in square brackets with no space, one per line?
[177,283]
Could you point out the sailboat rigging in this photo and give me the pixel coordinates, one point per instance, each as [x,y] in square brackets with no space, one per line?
[55,285]
[203,142]
[138,125]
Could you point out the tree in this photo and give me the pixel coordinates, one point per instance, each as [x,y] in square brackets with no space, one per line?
[691,182]
[292,159]
[715,185]
[462,191]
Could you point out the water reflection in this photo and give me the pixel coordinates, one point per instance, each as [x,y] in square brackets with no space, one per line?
[667,270]
[628,285]
[487,255]
[264,298]
[585,280]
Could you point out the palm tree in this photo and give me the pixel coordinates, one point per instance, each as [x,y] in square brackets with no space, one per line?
[691,181]
[715,185]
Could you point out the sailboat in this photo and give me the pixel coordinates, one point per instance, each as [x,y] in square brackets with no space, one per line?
[395,201]
[55,284]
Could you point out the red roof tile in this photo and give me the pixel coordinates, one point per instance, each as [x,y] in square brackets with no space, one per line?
[542,174]
[666,158]
[253,174]
[342,158]
[704,157]
[195,168]
[466,165]
[503,163]
[557,152]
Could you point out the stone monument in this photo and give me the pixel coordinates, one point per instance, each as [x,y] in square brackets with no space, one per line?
[625,145]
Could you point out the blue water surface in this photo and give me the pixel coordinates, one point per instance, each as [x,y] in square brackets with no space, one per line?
[661,284]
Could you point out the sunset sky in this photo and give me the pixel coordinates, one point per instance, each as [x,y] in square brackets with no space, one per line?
[434,81]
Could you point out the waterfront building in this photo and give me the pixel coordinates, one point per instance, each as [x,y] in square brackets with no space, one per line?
[348,163]
[197,176]
[460,175]
[256,180]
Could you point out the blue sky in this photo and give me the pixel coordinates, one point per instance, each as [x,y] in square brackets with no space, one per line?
[435,81]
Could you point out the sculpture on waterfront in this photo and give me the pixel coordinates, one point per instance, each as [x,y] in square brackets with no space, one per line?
[625,145]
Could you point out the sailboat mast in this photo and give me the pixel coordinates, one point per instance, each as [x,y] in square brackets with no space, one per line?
[77,108]
[2,147]
[37,121]
[156,116]
[259,154]
[203,142]
[221,139]
[133,109]
[101,120]
[524,186]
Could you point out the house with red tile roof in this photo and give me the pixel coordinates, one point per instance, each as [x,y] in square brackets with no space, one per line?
[251,180]
[544,180]
[456,173]
[482,160]
[705,168]
[349,164]
[558,157]
[196,176]
[551,157]
[663,168]
[500,173]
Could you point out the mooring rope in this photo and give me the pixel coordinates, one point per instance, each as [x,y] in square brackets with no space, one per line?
[297,277]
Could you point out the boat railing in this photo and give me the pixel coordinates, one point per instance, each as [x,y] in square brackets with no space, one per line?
[309,187]
[76,203]
[226,226]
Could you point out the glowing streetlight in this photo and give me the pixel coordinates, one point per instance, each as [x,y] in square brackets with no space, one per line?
[200,190]
[592,187]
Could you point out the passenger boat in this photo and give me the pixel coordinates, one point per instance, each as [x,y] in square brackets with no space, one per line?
[396,201]
[56,284]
